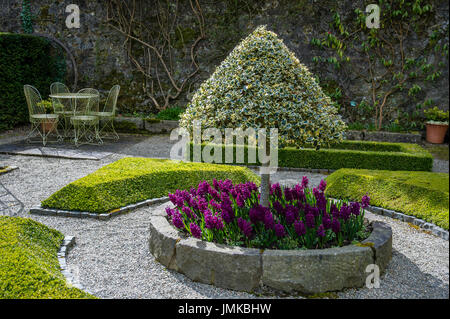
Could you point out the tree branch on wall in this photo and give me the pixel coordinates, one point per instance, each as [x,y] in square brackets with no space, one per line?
[151,50]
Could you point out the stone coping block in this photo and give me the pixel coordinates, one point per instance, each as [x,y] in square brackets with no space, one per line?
[66,245]
[433,229]
[248,269]
[67,213]
[316,270]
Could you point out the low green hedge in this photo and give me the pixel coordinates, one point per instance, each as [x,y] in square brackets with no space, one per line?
[350,154]
[420,194]
[29,267]
[131,180]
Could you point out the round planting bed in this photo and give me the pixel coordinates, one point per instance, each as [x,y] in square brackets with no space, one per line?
[247,269]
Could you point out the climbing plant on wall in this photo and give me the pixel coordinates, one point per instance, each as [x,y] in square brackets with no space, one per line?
[27,19]
[157,39]
[385,59]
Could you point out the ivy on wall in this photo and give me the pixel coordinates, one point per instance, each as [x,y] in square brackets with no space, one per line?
[27,19]
[384,58]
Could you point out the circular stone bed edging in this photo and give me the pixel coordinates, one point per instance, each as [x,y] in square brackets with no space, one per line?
[249,269]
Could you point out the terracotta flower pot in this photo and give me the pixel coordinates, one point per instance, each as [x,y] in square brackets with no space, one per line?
[48,127]
[436,133]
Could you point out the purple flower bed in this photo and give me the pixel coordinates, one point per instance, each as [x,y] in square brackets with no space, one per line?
[298,217]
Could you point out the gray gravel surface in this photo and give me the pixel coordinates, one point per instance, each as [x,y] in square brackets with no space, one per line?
[113,261]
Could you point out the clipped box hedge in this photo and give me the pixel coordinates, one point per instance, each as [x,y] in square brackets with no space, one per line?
[131,180]
[25,59]
[420,194]
[29,267]
[348,154]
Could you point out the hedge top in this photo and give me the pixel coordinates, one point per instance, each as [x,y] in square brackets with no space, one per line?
[261,84]
[420,194]
[29,265]
[131,180]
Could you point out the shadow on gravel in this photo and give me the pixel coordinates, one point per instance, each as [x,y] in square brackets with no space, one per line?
[157,145]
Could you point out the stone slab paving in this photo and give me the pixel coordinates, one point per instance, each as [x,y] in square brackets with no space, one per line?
[114,261]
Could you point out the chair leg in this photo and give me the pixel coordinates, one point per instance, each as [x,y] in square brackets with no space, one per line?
[107,129]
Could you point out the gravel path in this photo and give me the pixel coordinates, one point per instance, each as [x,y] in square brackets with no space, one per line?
[113,261]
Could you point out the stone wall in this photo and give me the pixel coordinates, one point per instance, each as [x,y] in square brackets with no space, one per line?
[102,58]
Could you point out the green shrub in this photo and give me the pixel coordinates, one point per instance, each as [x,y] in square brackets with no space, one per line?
[171,114]
[29,265]
[25,59]
[420,194]
[436,116]
[350,154]
[132,180]
[262,84]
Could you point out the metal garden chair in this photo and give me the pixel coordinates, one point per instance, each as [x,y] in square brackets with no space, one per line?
[108,114]
[62,107]
[38,118]
[84,122]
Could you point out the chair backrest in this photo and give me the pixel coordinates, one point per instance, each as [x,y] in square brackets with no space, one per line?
[111,101]
[33,97]
[58,87]
[87,105]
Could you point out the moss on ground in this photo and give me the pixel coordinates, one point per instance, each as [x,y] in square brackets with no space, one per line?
[131,180]
[420,194]
[29,267]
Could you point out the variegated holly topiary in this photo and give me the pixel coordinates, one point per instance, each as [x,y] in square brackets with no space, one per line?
[261,84]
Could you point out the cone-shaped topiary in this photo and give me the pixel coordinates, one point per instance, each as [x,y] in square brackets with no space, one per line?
[261,84]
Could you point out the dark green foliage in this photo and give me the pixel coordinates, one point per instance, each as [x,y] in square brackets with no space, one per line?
[420,194]
[172,114]
[131,180]
[24,59]
[29,267]
[351,154]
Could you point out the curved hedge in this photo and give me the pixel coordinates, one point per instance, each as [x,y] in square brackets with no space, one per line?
[131,180]
[350,154]
[29,267]
[420,194]
[25,59]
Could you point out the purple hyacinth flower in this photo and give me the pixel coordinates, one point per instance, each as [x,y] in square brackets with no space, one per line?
[169,211]
[291,213]
[322,185]
[187,211]
[299,228]
[239,201]
[278,207]
[334,211]
[310,220]
[288,194]
[269,222]
[275,190]
[305,182]
[326,221]
[257,214]
[195,230]
[279,230]
[209,221]
[245,226]
[335,226]
[355,208]
[344,212]
[321,231]
[177,220]
[365,201]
